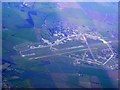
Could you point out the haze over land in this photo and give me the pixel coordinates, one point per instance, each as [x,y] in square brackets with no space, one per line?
[60,44]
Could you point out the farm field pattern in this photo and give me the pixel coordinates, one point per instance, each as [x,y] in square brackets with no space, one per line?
[60,44]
